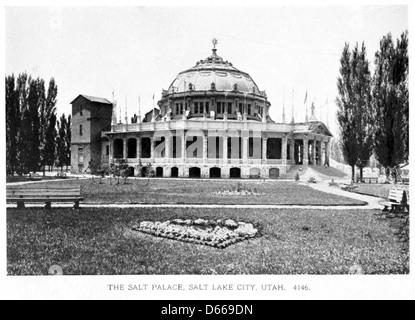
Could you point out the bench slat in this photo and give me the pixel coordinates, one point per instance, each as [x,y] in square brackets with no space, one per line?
[44,200]
[41,193]
[43,189]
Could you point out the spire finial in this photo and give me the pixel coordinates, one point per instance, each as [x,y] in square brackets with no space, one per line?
[215,42]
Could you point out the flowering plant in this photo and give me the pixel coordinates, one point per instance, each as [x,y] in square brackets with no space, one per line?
[219,234]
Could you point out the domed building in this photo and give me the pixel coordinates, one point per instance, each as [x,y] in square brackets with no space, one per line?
[212,122]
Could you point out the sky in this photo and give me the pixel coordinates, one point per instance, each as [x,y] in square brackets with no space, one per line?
[138,51]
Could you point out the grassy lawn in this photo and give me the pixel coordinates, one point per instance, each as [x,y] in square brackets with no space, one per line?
[95,241]
[378,190]
[201,192]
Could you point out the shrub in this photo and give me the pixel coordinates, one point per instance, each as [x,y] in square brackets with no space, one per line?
[332,183]
[239,188]
[312,180]
[151,173]
[297,177]
[139,169]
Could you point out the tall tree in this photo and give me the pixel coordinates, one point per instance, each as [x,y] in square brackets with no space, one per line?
[363,109]
[68,141]
[345,102]
[12,124]
[24,139]
[48,126]
[35,100]
[390,100]
[50,145]
[60,142]
[354,107]
[30,123]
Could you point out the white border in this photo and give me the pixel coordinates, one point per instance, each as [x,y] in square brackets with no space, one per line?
[95,287]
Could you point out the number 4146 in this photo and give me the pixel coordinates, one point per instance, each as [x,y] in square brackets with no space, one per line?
[301,288]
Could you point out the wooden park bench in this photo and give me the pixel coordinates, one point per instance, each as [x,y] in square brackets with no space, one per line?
[43,193]
[398,201]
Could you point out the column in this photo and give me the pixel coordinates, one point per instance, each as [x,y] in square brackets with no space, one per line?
[313,153]
[264,149]
[152,153]
[125,154]
[245,149]
[139,140]
[225,148]
[284,150]
[292,151]
[111,155]
[237,110]
[320,154]
[205,147]
[204,108]
[169,108]
[183,137]
[168,148]
[212,106]
[327,153]
[305,151]
[225,111]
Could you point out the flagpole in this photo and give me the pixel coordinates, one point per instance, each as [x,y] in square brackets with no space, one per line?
[112,111]
[119,115]
[126,113]
[154,111]
[283,105]
[292,121]
[139,109]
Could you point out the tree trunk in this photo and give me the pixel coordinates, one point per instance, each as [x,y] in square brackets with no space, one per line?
[353,173]
[361,174]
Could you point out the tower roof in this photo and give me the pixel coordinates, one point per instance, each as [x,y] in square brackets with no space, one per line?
[93,99]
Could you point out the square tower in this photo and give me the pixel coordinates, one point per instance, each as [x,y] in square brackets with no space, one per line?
[90,116]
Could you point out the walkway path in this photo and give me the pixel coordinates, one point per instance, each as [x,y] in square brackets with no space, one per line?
[40,181]
[372,202]
[200,206]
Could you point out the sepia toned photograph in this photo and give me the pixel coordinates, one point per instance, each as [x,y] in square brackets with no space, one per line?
[214,140]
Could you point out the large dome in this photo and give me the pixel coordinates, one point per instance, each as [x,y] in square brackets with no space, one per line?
[214,70]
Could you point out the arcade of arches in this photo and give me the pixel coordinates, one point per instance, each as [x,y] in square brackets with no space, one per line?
[243,156]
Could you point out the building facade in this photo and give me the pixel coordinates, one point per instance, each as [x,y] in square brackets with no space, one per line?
[90,117]
[212,122]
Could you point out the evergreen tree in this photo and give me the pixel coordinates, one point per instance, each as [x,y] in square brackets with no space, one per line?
[48,125]
[25,136]
[50,137]
[12,124]
[345,102]
[391,101]
[354,108]
[60,142]
[68,141]
[35,99]
[364,112]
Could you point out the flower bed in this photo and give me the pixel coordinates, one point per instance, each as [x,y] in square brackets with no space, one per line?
[218,234]
[238,190]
